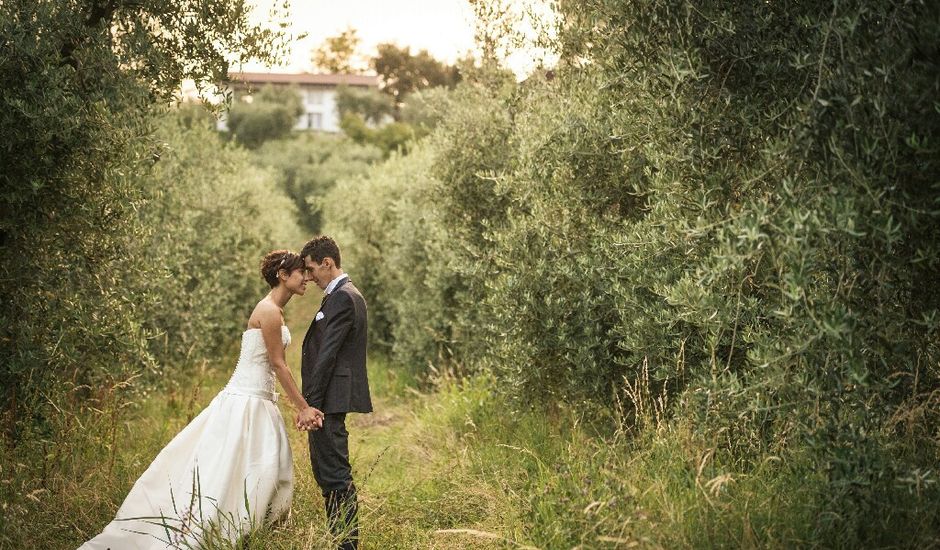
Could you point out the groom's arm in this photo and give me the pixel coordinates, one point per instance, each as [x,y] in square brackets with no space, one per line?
[334,333]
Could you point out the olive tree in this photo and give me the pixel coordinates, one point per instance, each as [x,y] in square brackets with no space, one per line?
[79,82]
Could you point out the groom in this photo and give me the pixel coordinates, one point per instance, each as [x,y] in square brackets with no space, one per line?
[333,370]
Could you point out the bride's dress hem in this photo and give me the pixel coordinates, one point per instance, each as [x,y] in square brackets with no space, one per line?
[227,472]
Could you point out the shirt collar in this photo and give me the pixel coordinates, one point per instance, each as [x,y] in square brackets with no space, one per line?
[332,286]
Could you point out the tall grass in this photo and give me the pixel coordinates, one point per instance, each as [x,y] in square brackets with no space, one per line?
[57,492]
[577,476]
[459,467]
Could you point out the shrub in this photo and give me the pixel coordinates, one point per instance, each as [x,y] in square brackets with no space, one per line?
[272,114]
[372,105]
[77,88]
[740,200]
[389,138]
[394,248]
[309,165]
[210,217]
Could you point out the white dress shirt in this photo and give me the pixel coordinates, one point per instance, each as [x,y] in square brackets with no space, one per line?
[332,286]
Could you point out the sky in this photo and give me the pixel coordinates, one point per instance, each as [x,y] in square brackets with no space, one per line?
[443,27]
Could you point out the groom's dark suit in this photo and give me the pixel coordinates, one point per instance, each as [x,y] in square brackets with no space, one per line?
[333,371]
[333,364]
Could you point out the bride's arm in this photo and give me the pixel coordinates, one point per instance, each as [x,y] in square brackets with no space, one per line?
[271,332]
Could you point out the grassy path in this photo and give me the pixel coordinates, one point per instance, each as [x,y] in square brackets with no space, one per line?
[415,461]
[419,483]
[437,470]
[416,488]
[442,470]
[447,469]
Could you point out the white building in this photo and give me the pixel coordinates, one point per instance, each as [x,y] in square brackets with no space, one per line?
[318,94]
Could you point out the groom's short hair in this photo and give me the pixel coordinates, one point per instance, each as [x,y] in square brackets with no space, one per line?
[321,247]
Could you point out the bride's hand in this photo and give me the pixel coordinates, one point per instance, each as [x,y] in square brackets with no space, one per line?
[309,419]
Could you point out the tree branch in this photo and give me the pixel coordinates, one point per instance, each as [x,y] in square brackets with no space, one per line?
[99,12]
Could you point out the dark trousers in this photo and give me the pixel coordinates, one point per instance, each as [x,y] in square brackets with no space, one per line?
[329,456]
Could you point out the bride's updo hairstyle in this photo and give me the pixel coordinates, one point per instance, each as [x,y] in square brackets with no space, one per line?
[277,260]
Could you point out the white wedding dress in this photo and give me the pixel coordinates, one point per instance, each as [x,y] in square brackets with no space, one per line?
[226,472]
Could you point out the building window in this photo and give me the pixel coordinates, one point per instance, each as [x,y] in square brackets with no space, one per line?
[315,121]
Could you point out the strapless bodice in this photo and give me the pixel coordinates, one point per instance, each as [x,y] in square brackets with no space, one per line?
[253,374]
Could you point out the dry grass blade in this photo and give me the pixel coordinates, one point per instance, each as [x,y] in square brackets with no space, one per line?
[617,540]
[472,532]
[482,535]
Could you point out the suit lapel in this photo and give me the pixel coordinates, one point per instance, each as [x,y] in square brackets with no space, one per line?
[338,286]
[309,331]
[326,298]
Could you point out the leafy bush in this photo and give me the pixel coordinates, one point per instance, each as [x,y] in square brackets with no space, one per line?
[364,117]
[389,138]
[77,85]
[742,201]
[309,165]
[425,109]
[184,283]
[210,216]
[372,105]
[387,226]
[392,224]
[271,114]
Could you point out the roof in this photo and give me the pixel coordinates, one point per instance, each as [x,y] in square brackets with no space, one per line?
[305,78]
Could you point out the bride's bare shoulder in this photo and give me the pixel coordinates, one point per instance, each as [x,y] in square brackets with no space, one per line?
[265,312]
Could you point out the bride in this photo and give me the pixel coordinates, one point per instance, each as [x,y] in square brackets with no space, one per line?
[230,469]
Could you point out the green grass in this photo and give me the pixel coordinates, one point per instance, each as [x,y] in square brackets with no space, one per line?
[455,468]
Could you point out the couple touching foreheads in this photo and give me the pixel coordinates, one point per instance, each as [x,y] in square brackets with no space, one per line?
[230,469]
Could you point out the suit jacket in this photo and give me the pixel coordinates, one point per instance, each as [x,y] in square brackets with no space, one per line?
[333,360]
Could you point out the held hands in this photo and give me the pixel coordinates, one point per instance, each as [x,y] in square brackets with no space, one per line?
[309,419]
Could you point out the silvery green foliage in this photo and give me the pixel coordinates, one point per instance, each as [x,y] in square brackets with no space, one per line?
[210,215]
[742,200]
[272,114]
[308,165]
[374,106]
[78,85]
[395,248]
